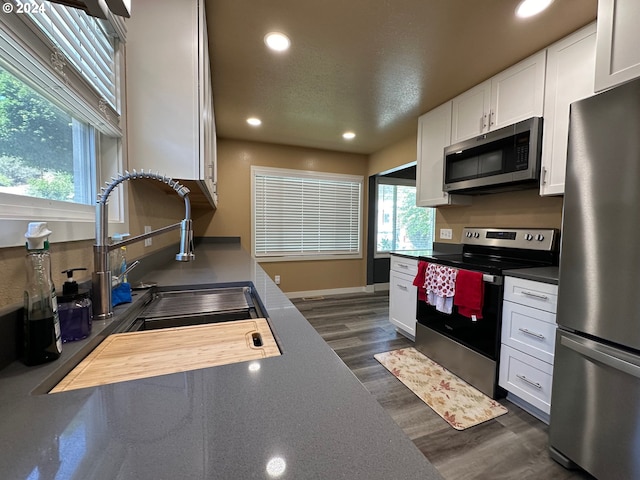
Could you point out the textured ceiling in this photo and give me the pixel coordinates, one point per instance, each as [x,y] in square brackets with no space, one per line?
[370,66]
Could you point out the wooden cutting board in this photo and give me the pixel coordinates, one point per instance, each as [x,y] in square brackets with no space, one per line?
[135,355]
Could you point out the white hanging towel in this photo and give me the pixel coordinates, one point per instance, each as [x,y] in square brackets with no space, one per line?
[440,285]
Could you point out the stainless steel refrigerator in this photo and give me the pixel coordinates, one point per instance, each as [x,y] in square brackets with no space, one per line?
[595,405]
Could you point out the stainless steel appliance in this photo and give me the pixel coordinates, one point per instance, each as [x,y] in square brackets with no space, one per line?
[595,405]
[501,160]
[471,349]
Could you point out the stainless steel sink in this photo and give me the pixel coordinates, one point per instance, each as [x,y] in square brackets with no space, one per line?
[179,308]
[166,307]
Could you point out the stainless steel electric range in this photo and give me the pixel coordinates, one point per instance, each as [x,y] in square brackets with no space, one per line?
[470,348]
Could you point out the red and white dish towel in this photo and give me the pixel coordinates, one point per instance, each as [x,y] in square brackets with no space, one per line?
[443,287]
[440,286]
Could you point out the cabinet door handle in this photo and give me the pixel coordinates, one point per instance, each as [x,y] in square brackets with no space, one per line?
[525,379]
[544,175]
[401,287]
[402,265]
[535,295]
[533,334]
[483,122]
[493,118]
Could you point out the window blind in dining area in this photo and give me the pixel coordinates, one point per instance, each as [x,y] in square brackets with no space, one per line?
[302,213]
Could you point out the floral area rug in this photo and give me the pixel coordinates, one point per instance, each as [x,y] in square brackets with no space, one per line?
[457,402]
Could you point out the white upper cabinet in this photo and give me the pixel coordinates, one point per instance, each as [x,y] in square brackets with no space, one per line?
[570,77]
[618,41]
[513,95]
[434,134]
[518,92]
[471,112]
[170,118]
[207,125]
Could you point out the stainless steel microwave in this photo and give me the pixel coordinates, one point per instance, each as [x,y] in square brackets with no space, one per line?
[502,160]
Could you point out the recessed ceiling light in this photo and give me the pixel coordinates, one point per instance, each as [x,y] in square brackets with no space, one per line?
[529,8]
[277,41]
[348,135]
[254,122]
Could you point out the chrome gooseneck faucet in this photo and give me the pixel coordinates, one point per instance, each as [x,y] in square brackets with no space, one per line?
[101,278]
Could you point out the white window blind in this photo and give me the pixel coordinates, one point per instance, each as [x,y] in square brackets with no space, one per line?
[29,55]
[300,213]
[84,42]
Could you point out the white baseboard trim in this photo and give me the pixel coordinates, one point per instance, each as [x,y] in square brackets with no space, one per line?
[337,291]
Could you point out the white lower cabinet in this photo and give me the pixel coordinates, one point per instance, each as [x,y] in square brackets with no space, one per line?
[527,377]
[403,295]
[528,344]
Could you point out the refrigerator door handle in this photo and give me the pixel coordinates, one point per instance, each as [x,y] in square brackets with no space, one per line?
[598,355]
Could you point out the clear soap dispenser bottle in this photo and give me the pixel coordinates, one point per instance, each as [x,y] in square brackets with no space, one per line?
[42,339]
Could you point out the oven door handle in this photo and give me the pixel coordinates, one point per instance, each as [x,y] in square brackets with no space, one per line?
[492,279]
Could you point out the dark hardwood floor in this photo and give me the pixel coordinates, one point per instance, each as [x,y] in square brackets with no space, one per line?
[513,446]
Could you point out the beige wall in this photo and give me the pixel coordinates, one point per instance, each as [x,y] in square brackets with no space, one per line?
[156,207]
[525,208]
[63,256]
[233,217]
[395,155]
[148,205]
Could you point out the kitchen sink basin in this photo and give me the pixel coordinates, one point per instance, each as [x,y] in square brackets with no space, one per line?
[175,332]
[180,308]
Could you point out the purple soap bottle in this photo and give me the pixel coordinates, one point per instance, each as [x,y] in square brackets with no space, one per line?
[74,309]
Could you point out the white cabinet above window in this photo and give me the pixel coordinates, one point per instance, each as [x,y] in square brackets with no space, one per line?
[434,134]
[170,104]
[513,95]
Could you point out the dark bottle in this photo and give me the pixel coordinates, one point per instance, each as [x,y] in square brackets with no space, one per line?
[74,309]
[42,340]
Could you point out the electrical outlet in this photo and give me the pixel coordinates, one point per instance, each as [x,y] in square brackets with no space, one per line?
[446,234]
[277,279]
[147,241]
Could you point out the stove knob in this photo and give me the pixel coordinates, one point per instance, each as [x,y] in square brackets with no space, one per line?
[469,234]
[528,237]
[540,237]
[476,235]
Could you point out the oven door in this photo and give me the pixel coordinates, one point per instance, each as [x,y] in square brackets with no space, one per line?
[482,335]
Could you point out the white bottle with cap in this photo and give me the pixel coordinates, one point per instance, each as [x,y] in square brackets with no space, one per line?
[42,339]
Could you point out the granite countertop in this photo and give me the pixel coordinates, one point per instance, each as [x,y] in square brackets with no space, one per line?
[438,249]
[416,254]
[538,274]
[302,415]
